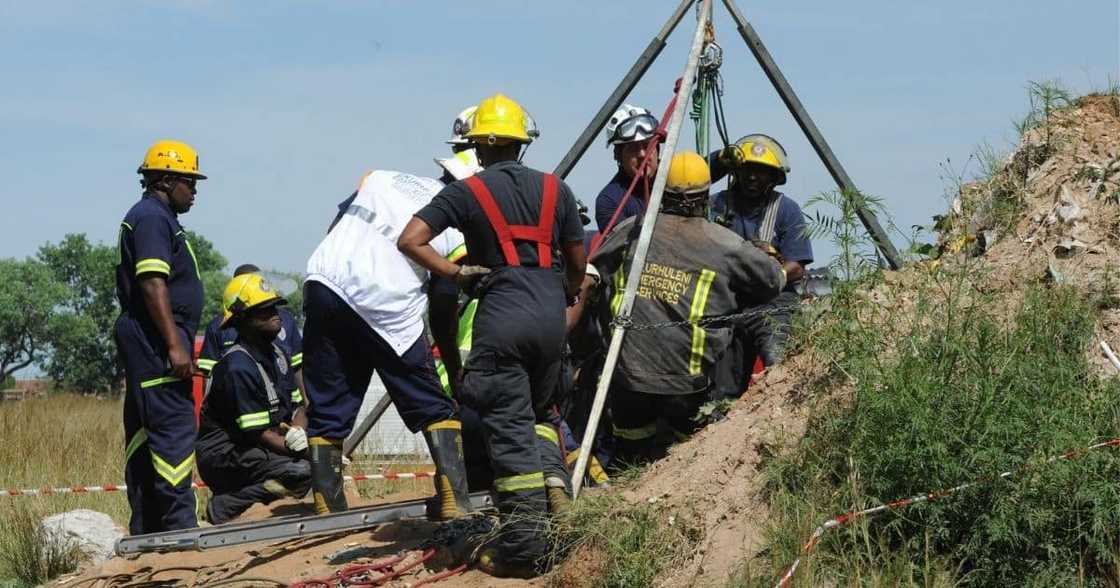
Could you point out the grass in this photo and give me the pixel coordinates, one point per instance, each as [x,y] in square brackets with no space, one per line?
[59,440]
[966,385]
[67,439]
[612,543]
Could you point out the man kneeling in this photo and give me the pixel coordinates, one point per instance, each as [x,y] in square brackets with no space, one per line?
[251,445]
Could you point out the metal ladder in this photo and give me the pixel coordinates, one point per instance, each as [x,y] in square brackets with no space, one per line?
[280,528]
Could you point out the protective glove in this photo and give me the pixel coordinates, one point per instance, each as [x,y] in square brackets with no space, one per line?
[295,439]
[769,249]
[730,157]
[468,276]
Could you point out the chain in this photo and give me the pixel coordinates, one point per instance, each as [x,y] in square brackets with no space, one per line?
[628,323]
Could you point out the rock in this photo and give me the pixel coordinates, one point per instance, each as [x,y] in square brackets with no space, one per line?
[94,532]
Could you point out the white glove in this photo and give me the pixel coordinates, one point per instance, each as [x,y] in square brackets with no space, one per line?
[295,439]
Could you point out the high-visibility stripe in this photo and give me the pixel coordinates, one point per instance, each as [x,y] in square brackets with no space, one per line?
[173,474]
[594,469]
[466,325]
[457,253]
[138,439]
[206,364]
[253,419]
[699,302]
[619,288]
[636,433]
[153,265]
[297,396]
[445,424]
[325,441]
[158,381]
[297,359]
[519,482]
[547,432]
[190,249]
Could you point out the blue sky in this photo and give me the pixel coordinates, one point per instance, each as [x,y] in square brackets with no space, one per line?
[290,102]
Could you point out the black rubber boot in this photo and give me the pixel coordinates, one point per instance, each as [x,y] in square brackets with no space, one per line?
[445,442]
[326,475]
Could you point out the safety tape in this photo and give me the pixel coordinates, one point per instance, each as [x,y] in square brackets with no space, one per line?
[848,517]
[83,489]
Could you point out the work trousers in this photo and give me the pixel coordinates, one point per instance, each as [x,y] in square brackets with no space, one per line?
[763,336]
[511,376]
[159,432]
[636,415]
[240,476]
[341,352]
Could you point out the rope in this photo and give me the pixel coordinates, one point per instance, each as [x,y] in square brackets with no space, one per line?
[86,489]
[848,517]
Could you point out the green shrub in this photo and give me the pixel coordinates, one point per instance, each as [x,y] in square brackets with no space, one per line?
[970,389]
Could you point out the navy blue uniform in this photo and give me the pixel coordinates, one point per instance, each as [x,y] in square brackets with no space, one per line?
[611,195]
[766,335]
[513,368]
[217,340]
[245,399]
[159,422]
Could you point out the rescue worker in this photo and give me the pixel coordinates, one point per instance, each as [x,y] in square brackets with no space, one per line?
[523,231]
[252,446]
[694,269]
[217,339]
[756,211]
[364,306]
[632,131]
[161,297]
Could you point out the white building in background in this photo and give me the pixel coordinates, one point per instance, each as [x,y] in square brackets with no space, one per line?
[389,436]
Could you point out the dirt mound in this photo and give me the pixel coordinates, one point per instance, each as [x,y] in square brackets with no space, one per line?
[1050,211]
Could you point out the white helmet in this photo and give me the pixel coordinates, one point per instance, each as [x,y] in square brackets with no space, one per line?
[462,165]
[630,123]
[462,126]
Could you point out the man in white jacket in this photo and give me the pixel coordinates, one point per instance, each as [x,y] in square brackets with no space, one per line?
[364,304]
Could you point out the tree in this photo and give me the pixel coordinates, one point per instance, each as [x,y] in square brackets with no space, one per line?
[83,353]
[28,296]
[211,266]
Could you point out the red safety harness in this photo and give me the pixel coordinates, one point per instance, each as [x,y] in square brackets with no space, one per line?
[540,233]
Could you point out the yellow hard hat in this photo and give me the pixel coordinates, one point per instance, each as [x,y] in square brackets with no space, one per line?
[763,150]
[499,117]
[688,174]
[246,292]
[171,156]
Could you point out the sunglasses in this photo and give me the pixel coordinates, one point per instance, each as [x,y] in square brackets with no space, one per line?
[190,182]
[636,128]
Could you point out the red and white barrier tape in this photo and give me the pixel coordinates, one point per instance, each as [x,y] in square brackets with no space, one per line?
[848,517]
[83,489]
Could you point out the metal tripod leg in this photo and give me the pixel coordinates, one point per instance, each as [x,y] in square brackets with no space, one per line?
[785,91]
[359,433]
[621,91]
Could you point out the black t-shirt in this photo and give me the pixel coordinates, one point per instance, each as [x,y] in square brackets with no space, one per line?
[518,191]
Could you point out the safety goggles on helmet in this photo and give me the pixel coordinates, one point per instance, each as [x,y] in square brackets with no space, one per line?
[636,128]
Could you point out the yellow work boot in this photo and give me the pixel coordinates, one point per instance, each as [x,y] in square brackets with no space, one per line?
[491,561]
[326,475]
[558,500]
[445,443]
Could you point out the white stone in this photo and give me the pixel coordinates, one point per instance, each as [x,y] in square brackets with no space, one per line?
[94,532]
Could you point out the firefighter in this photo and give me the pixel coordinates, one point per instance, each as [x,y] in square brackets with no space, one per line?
[252,446]
[694,268]
[523,231]
[364,306]
[631,131]
[217,339]
[756,211]
[161,297]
